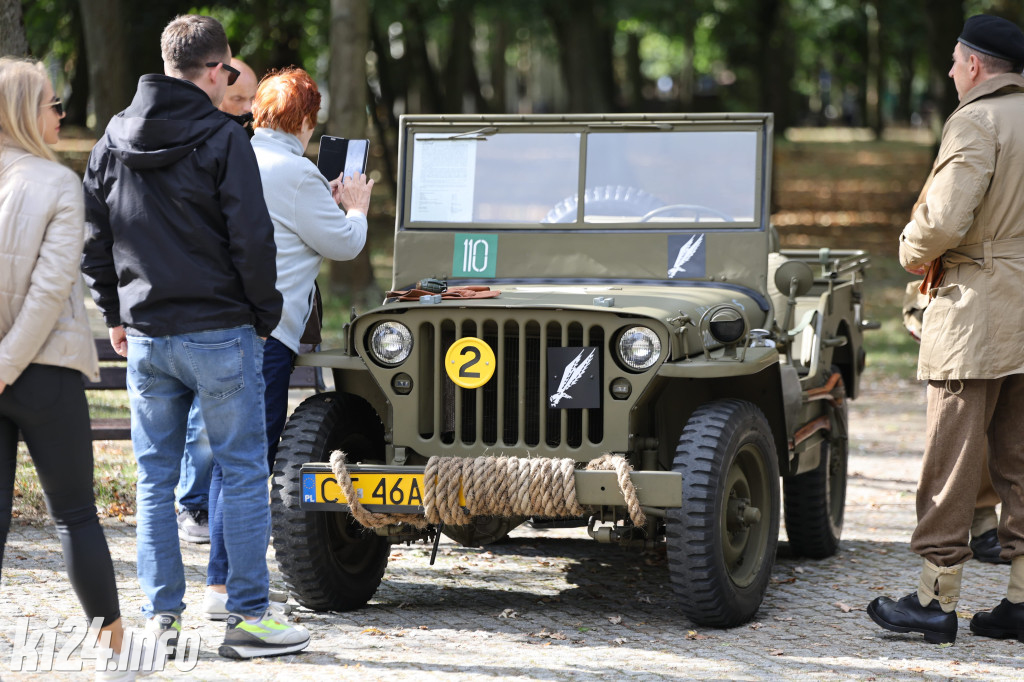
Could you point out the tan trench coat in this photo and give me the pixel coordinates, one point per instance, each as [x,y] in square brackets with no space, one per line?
[42,305]
[973,217]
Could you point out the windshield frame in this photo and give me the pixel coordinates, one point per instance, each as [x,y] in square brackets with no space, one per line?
[481,128]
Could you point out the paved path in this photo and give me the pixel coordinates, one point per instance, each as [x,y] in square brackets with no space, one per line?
[558,606]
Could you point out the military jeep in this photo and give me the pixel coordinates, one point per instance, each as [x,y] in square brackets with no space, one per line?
[635,304]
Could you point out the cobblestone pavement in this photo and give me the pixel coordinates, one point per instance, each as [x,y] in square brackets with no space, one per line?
[556,605]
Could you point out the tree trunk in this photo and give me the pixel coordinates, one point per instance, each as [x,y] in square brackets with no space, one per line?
[944,19]
[77,104]
[106,36]
[346,117]
[875,81]
[775,68]
[423,77]
[499,70]
[688,74]
[633,85]
[460,57]
[12,30]
[383,104]
[584,50]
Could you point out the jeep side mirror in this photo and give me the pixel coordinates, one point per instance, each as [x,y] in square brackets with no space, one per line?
[794,271]
[793,278]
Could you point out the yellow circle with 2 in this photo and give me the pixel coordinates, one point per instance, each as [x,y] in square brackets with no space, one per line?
[469,362]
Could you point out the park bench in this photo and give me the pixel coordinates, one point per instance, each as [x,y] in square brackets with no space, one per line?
[113,373]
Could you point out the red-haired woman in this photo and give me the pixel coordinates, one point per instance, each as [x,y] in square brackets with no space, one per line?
[309,225]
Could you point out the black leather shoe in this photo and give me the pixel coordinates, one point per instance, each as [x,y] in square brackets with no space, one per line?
[986,548]
[1005,621]
[907,615]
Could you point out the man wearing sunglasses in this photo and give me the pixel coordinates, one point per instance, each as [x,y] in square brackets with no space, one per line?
[180,257]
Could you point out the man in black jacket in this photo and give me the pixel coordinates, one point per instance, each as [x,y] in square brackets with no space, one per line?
[180,258]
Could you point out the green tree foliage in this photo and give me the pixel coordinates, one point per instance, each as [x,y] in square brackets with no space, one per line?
[811,62]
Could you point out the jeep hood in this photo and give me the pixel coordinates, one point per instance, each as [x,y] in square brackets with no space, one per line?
[659,302]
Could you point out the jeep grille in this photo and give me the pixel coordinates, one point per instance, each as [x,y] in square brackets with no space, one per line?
[512,408]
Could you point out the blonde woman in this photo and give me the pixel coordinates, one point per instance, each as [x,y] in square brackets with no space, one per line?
[45,342]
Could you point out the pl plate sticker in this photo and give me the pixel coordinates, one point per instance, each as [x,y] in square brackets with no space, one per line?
[686,256]
[574,378]
[475,255]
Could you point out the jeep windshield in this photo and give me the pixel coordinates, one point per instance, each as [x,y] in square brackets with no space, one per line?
[513,174]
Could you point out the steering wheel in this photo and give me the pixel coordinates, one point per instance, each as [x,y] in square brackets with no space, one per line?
[696,209]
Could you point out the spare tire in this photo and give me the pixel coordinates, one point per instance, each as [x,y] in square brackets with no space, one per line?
[607,200]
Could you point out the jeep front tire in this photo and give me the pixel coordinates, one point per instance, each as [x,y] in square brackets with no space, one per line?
[721,542]
[329,561]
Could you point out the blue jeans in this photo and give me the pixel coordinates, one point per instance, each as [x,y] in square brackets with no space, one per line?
[193,491]
[220,372]
[278,362]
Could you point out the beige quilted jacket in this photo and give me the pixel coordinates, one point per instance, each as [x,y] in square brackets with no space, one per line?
[42,229]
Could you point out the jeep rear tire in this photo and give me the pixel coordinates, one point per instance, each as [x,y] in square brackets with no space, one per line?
[815,500]
[329,561]
[721,542]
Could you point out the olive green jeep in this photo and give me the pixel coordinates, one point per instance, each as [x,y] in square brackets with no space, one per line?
[655,320]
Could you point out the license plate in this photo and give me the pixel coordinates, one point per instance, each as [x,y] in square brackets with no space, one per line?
[393,493]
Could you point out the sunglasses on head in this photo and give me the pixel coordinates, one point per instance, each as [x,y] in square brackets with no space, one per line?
[233,73]
[57,105]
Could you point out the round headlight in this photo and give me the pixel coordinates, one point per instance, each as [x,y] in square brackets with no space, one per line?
[727,325]
[639,348]
[390,343]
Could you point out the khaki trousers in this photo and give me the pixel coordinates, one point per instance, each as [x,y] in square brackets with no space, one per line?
[983,415]
[985,517]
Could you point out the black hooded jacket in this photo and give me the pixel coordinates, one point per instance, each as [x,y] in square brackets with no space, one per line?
[178,238]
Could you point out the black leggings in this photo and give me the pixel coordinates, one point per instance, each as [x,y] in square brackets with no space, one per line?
[47,404]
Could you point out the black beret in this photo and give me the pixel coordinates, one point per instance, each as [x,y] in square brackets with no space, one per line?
[994,36]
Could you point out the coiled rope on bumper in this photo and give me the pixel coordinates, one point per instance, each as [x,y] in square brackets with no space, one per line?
[494,486]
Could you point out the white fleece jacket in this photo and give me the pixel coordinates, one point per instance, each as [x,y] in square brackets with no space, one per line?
[308,226]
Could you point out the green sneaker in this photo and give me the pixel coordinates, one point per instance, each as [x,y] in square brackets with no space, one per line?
[271,636]
[166,622]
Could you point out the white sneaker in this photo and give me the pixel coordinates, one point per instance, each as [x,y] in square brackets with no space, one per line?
[215,604]
[112,674]
[272,635]
[140,646]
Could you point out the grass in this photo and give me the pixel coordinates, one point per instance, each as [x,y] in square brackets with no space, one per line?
[114,478]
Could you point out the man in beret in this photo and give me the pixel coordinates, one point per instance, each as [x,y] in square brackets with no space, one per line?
[970,227]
